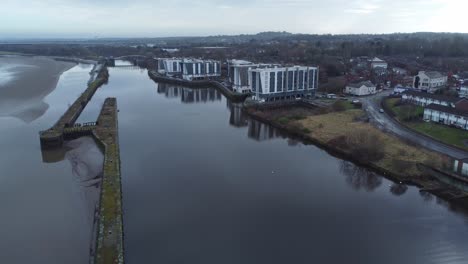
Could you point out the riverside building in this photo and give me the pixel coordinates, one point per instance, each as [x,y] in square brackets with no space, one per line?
[271,83]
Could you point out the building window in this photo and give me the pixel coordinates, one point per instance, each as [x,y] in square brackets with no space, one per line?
[254,81]
[290,80]
[272,82]
[311,79]
[296,79]
[301,80]
[279,82]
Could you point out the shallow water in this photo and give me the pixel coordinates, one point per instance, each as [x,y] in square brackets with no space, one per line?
[46,201]
[202,183]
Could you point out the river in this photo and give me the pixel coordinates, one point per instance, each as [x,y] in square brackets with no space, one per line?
[47,200]
[203,183]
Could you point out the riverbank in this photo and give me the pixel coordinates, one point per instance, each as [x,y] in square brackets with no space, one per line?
[348,135]
[28,81]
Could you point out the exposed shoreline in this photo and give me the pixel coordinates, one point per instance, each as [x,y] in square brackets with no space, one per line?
[33,79]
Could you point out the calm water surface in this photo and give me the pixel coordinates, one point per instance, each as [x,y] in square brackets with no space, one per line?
[47,201]
[204,184]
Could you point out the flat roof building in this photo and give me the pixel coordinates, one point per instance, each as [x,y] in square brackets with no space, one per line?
[276,83]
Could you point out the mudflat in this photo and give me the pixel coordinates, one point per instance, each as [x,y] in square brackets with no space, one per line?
[25,81]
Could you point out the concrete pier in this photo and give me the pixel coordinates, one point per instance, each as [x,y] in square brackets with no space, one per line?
[53,137]
[109,248]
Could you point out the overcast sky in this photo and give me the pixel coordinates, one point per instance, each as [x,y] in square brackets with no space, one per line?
[154,18]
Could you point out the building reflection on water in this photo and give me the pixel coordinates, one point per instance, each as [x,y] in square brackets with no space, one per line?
[189,95]
[86,161]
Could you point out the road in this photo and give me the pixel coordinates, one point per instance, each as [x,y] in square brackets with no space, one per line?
[385,122]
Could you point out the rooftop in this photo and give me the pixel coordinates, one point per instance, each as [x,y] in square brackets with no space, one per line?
[433,74]
[447,109]
[445,98]
[361,83]
[377,60]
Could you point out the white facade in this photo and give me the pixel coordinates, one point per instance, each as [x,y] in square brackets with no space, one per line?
[429,81]
[461,167]
[446,116]
[463,91]
[273,83]
[423,100]
[200,69]
[238,73]
[360,89]
[376,62]
[169,66]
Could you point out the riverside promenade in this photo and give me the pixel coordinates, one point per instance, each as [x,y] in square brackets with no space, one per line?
[233,96]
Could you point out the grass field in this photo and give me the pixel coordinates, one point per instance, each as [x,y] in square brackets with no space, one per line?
[400,157]
[448,135]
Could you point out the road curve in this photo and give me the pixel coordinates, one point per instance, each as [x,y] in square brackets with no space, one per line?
[386,123]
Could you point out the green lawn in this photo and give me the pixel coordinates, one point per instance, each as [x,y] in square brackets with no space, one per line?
[404,112]
[446,134]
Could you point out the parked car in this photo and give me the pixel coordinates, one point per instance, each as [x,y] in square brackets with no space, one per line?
[355,101]
[381,110]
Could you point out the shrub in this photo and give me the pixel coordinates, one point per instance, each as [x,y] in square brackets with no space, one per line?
[283,120]
[365,145]
[306,130]
[339,106]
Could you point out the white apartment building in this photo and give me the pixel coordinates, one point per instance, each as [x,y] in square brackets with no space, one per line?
[193,69]
[429,81]
[276,83]
[169,66]
[238,75]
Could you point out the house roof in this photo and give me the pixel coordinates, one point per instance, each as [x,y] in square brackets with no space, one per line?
[447,109]
[434,74]
[377,60]
[445,98]
[359,84]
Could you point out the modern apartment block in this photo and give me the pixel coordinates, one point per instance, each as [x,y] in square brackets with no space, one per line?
[277,83]
[238,74]
[193,69]
[188,69]
[169,66]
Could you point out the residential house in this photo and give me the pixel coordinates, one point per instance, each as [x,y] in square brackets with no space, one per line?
[461,167]
[360,88]
[271,83]
[399,71]
[376,63]
[429,81]
[423,99]
[446,115]
[463,90]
